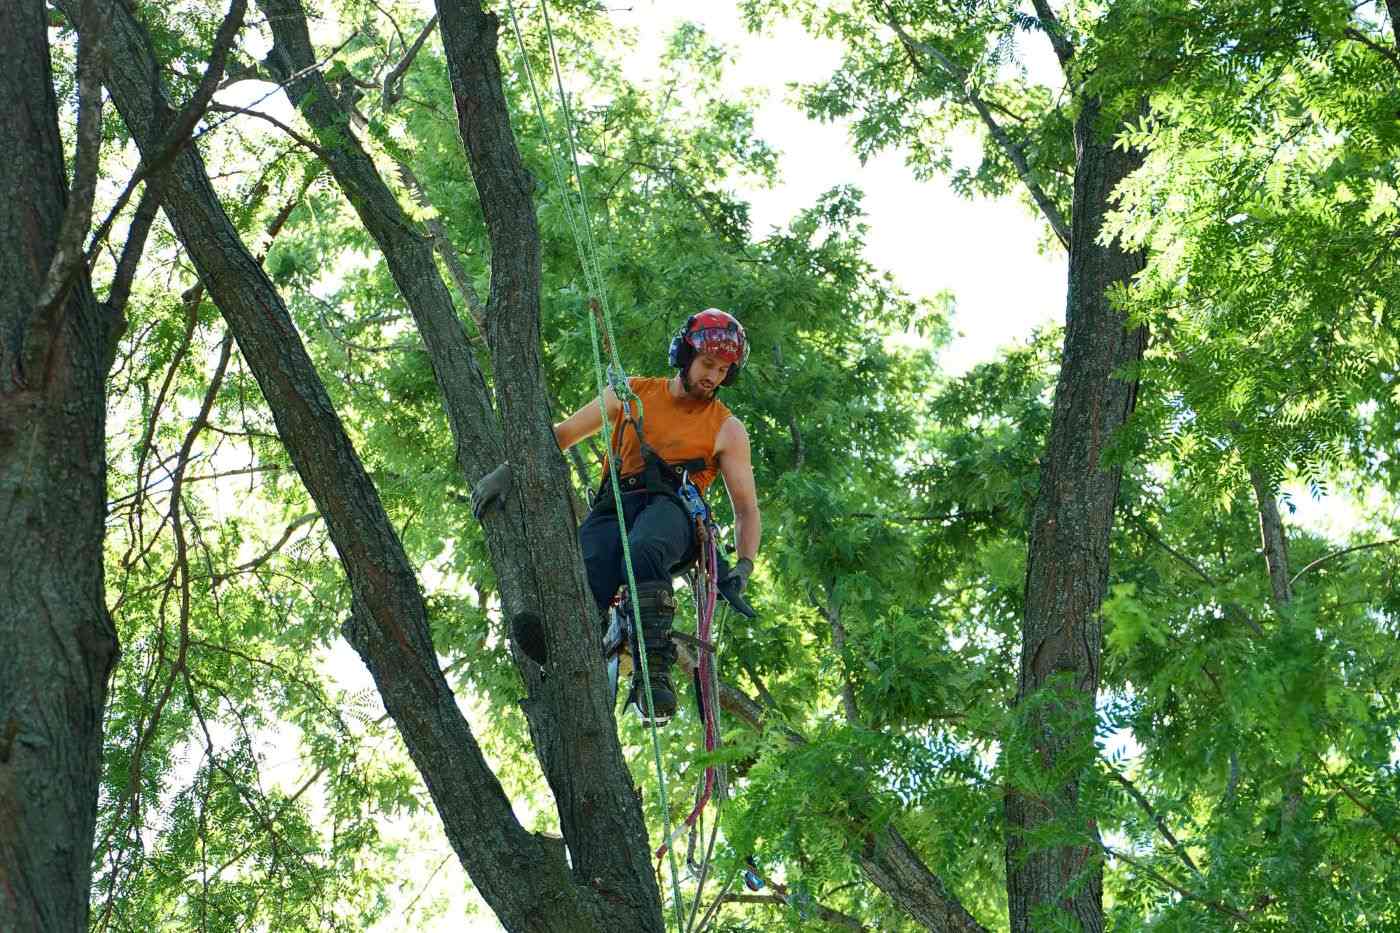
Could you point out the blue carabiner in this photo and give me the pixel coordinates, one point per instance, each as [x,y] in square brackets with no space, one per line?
[690,495]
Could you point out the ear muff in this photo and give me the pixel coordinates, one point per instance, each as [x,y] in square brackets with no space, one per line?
[681,353]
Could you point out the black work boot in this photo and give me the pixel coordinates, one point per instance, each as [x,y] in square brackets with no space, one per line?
[657,607]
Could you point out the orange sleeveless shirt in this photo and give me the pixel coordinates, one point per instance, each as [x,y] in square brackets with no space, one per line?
[678,429]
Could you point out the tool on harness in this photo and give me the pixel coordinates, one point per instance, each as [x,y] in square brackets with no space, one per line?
[752,879]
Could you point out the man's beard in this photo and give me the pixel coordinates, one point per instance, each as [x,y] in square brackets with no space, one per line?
[694,391]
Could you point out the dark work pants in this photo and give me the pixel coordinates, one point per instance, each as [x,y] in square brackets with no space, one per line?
[658,534]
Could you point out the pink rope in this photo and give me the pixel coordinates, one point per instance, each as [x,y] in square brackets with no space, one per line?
[706,667]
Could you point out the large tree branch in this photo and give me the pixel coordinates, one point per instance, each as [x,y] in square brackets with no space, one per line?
[574,730]
[393,81]
[917,52]
[389,625]
[1064,51]
[594,810]
[1068,552]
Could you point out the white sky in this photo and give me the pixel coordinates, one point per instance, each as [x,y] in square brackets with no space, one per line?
[983,251]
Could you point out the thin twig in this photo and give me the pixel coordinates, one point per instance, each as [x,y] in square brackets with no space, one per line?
[1371,813]
[1163,880]
[175,139]
[293,134]
[1335,554]
[68,252]
[1157,819]
[915,50]
[271,552]
[1359,36]
[135,245]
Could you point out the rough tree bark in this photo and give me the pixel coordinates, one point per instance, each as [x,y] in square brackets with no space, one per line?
[602,827]
[389,622]
[57,641]
[1068,555]
[572,726]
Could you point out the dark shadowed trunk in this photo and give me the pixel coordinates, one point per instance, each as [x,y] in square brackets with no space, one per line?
[57,643]
[1067,565]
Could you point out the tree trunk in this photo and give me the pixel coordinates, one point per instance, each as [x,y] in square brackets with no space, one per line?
[1272,539]
[523,878]
[57,642]
[575,737]
[1067,565]
[598,811]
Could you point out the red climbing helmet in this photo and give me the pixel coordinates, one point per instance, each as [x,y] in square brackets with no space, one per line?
[715,332]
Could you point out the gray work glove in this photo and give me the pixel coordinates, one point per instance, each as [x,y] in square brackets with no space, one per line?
[737,579]
[491,490]
[732,583]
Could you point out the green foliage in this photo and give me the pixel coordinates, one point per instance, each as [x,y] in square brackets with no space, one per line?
[250,780]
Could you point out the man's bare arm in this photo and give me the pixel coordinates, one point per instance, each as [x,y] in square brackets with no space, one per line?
[736,466]
[585,422]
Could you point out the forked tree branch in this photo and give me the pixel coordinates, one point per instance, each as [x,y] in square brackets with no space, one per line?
[919,53]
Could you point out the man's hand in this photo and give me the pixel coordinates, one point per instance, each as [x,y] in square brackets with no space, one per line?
[492,489]
[732,584]
[738,576]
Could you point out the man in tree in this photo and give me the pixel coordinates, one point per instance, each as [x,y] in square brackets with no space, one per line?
[681,432]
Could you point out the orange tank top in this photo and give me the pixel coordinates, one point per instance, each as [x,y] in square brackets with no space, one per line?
[678,429]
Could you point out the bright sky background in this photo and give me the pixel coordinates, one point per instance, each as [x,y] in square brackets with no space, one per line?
[984,252]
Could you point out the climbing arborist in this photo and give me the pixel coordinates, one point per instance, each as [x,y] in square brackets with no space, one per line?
[685,433]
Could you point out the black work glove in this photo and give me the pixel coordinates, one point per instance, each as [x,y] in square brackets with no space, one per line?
[732,582]
[492,489]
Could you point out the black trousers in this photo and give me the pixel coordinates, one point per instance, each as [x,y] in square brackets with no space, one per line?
[659,536]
